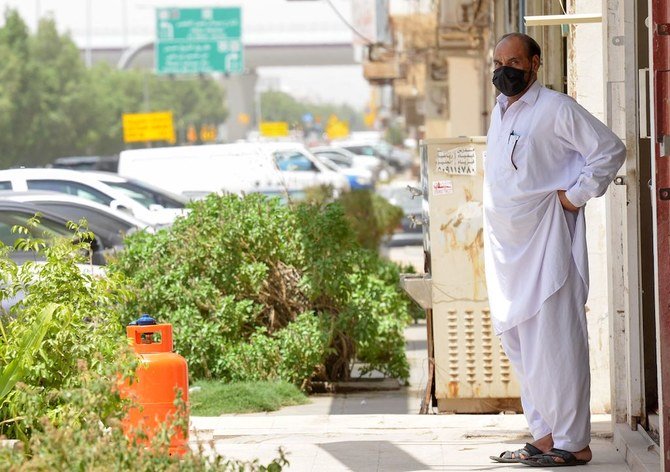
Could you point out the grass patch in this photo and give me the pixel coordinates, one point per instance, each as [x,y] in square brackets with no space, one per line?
[219,398]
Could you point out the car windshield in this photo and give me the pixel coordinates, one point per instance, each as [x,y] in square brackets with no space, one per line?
[147,196]
[293,161]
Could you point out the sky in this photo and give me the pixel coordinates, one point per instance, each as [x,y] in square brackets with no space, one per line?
[123,23]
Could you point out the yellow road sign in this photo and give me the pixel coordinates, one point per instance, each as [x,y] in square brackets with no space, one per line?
[143,127]
[273,128]
[207,133]
[336,129]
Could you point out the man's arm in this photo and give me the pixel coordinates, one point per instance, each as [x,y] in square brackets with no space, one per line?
[567,204]
[603,151]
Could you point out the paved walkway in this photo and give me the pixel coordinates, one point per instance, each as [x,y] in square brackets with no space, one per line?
[382,431]
[386,442]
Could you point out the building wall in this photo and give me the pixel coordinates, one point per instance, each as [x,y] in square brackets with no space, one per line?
[465,96]
[459,113]
[585,84]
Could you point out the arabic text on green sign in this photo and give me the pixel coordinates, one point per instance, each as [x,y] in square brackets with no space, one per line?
[198,40]
[200,57]
[199,23]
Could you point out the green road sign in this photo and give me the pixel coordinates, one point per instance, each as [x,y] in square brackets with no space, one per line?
[199,40]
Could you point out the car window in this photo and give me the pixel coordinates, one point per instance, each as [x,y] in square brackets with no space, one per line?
[47,229]
[293,161]
[330,164]
[362,150]
[145,195]
[5,185]
[71,188]
[338,159]
[97,219]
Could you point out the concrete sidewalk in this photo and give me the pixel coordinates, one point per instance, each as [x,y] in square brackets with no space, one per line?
[386,442]
[382,431]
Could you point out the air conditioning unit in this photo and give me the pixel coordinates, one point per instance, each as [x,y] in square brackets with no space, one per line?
[382,71]
[471,373]
[460,25]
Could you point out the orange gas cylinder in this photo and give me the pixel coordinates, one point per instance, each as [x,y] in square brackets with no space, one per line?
[160,375]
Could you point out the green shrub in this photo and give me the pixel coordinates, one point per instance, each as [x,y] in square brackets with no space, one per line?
[257,290]
[82,328]
[376,331]
[86,439]
[370,216]
[61,397]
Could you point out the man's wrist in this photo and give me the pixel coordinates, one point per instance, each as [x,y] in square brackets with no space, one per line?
[575,197]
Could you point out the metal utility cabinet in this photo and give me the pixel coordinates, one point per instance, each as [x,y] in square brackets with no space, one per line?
[470,372]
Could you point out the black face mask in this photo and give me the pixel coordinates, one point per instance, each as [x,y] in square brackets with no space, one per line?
[510,81]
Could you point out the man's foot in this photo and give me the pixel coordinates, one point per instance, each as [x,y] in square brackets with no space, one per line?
[540,446]
[517,456]
[560,458]
[545,443]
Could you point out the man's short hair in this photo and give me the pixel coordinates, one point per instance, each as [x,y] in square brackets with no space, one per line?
[532,47]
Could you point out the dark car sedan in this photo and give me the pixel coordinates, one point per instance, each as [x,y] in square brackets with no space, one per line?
[51,225]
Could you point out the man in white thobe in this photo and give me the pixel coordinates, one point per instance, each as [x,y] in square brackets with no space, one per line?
[546,157]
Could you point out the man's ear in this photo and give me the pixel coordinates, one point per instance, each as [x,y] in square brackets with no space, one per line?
[535,62]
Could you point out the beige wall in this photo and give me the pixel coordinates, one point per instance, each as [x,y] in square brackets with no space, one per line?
[463,113]
[465,97]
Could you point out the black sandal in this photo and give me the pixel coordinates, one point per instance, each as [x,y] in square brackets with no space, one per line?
[512,457]
[548,459]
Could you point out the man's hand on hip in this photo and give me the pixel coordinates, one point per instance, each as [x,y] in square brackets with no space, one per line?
[565,202]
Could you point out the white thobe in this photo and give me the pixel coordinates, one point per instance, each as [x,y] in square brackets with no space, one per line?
[544,142]
[535,251]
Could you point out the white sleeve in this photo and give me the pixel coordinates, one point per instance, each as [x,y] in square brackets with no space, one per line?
[603,151]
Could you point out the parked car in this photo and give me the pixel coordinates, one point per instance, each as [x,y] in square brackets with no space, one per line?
[75,208]
[301,169]
[146,194]
[86,186]
[194,171]
[52,225]
[396,158]
[359,179]
[410,231]
[344,158]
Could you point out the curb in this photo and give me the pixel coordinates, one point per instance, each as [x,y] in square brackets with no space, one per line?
[367,385]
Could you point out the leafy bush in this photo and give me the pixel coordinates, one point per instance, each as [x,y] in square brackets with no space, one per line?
[62,351]
[257,290]
[370,216]
[86,439]
[76,315]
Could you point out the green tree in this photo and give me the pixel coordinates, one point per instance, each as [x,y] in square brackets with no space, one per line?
[51,105]
[14,83]
[63,105]
[280,106]
[193,101]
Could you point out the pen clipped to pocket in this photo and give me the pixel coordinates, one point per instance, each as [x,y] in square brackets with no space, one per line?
[512,141]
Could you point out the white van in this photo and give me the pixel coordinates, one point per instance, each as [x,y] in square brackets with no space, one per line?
[195,171]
